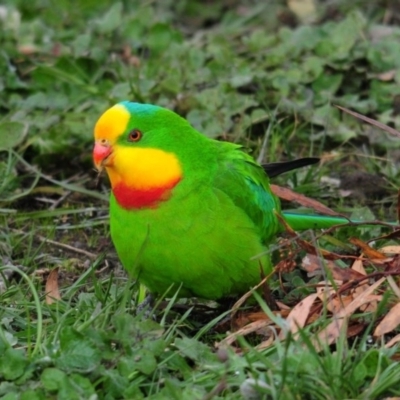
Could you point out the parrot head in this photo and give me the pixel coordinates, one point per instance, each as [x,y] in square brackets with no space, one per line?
[141,147]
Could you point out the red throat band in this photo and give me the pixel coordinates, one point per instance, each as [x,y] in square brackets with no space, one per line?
[133,198]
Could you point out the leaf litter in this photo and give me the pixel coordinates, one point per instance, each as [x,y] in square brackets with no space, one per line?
[52,290]
[344,295]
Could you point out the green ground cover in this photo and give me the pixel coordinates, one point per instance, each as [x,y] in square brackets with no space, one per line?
[264,74]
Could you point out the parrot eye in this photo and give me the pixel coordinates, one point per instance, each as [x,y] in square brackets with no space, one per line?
[135,135]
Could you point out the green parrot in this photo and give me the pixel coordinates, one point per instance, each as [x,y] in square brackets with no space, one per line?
[185,210]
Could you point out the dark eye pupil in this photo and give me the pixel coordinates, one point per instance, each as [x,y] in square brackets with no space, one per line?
[135,135]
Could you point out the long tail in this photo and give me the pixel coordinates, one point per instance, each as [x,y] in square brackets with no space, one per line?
[301,222]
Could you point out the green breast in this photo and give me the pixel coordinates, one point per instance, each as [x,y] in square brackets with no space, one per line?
[202,241]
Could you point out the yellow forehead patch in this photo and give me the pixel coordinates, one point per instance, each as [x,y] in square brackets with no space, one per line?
[112,123]
[143,168]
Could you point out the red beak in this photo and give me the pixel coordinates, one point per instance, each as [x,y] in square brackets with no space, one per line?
[100,154]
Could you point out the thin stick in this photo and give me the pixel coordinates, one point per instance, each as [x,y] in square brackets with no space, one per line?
[61,245]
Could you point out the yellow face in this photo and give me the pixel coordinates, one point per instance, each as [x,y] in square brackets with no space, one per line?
[135,167]
[112,124]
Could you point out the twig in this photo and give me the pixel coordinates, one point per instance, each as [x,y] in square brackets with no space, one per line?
[371,121]
[64,185]
[61,245]
[361,223]
[60,200]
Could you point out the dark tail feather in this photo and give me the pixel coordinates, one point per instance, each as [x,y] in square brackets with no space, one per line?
[277,168]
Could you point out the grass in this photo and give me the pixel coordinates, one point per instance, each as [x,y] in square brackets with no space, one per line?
[240,71]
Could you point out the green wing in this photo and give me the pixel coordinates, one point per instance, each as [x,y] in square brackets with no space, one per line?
[246,183]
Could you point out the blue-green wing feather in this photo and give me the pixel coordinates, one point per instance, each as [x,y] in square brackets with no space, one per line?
[246,183]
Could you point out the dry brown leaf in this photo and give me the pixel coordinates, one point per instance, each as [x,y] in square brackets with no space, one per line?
[241,319]
[41,271]
[27,49]
[355,329]
[390,249]
[382,262]
[393,264]
[373,304]
[359,267]
[393,341]
[338,303]
[329,334]
[387,76]
[390,322]
[266,343]
[282,306]
[250,328]
[344,274]
[244,318]
[52,291]
[393,286]
[305,10]
[334,302]
[314,316]
[299,314]
[325,289]
[312,263]
[366,249]
[289,195]
[327,294]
